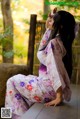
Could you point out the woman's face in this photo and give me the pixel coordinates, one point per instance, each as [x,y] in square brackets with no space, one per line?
[49,23]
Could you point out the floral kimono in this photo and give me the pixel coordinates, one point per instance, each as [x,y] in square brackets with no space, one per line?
[22,91]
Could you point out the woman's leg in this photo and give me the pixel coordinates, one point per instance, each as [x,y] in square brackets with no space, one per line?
[14,98]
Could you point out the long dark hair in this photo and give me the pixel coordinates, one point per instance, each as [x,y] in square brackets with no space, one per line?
[64,25]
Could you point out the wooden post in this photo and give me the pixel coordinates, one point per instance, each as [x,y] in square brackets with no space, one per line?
[32,33]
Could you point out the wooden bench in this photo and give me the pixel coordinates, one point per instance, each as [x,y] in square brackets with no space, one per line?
[68,110]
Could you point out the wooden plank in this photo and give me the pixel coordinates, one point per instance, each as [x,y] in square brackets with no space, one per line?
[69,110]
[33,111]
[78,101]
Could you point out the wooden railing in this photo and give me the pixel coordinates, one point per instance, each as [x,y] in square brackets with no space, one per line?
[76,64]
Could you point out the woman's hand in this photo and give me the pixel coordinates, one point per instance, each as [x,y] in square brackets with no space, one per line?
[55,102]
[58,99]
[49,23]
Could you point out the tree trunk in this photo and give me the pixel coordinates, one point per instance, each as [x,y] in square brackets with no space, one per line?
[46,8]
[7,43]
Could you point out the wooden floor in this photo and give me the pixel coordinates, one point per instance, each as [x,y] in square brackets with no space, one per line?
[70,110]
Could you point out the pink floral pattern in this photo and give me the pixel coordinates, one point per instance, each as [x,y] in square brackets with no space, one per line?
[29,87]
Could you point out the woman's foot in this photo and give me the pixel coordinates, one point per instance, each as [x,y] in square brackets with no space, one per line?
[58,99]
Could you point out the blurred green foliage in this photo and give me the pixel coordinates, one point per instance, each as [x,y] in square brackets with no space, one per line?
[64,4]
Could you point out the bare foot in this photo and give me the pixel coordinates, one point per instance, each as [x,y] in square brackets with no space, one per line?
[58,99]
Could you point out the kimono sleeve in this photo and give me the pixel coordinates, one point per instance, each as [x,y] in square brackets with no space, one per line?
[42,57]
[52,70]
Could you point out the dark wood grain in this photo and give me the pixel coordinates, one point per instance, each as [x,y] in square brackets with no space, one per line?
[32,33]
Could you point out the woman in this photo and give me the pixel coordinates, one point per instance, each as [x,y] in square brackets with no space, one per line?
[64,25]
[52,86]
